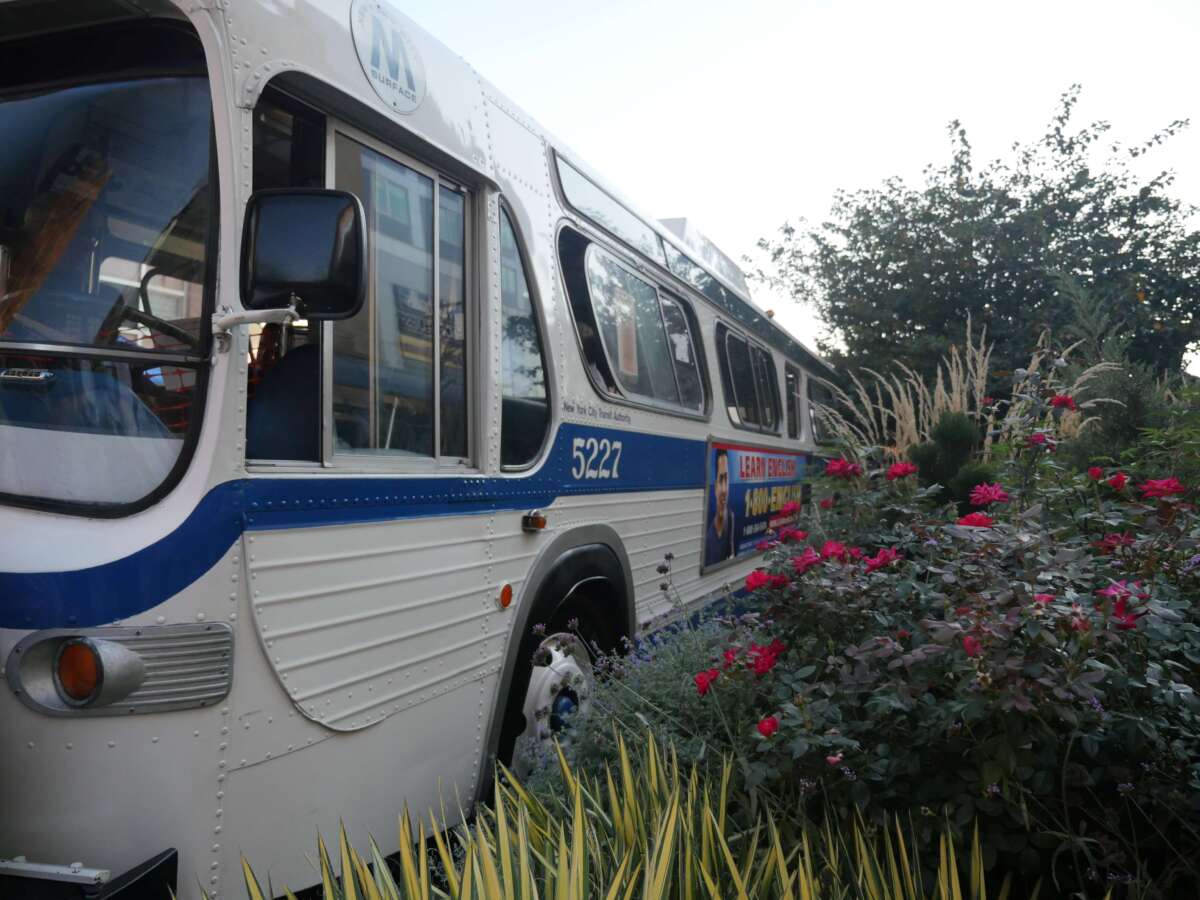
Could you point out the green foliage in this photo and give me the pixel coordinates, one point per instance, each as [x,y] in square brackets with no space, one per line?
[1132,397]
[946,459]
[646,827]
[895,270]
[1037,674]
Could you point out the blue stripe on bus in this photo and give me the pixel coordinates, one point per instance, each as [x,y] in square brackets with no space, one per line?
[131,585]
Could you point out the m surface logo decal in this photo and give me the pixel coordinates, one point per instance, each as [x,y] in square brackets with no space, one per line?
[387,54]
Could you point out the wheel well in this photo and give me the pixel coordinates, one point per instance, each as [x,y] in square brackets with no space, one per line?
[589,581]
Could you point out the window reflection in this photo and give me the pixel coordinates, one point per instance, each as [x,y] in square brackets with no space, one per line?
[631,326]
[741,373]
[526,410]
[792,407]
[683,355]
[453,328]
[599,206]
[383,357]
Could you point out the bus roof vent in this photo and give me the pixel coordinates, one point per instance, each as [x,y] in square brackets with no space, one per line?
[708,252]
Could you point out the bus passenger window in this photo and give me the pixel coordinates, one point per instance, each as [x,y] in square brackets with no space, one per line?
[525,411]
[818,396]
[683,353]
[748,375]
[637,342]
[387,379]
[631,327]
[792,406]
[741,372]
[768,387]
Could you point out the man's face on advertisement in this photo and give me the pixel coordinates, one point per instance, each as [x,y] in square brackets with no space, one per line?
[722,485]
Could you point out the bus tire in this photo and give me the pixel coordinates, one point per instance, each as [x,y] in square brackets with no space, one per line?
[578,615]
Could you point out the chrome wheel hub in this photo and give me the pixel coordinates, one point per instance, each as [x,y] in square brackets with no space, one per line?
[560,690]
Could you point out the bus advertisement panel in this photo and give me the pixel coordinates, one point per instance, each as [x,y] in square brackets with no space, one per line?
[747,495]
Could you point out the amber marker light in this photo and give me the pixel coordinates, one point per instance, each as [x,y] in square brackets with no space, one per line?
[78,672]
[535,520]
[505,596]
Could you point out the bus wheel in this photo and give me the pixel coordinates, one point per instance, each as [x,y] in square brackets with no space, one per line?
[560,689]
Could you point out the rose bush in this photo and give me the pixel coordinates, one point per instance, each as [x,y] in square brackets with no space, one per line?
[1032,668]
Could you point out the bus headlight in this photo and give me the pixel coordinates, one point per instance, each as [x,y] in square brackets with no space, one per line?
[88,671]
[77,672]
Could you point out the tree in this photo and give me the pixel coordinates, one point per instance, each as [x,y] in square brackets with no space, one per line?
[896,270]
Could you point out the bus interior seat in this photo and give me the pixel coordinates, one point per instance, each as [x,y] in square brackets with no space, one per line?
[283,419]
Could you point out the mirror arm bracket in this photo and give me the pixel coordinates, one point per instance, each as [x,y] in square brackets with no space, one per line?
[225,320]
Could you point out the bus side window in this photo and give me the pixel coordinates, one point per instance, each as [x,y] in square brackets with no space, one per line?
[525,405]
[400,365]
[818,395]
[792,407]
[751,387]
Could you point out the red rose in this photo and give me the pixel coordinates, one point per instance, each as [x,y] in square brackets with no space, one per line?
[843,468]
[987,494]
[1044,598]
[757,580]
[977,520]
[834,550]
[1041,439]
[1162,487]
[826,503]
[768,726]
[790,508]
[1112,541]
[903,634]
[884,557]
[705,679]
[1125,618]
[1095,473]
[763,659]
[1118,481]
[1062,401]
[806,560]
[900,470]
[792,535]
[971,645]
[730,656]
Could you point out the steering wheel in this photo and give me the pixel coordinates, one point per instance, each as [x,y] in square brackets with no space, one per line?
[121,312]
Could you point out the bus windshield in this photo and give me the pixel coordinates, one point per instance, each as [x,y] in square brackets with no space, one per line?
[105,222]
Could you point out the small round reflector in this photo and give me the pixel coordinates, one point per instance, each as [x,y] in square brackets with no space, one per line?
[505,596]
[77,671]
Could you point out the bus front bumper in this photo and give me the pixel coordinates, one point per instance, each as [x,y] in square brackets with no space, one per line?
[154,879]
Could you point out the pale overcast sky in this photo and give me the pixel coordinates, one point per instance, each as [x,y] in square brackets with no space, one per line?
[740,116]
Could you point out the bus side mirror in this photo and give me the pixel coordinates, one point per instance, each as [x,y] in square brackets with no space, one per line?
[306,248]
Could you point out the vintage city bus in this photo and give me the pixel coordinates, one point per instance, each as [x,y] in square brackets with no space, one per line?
[326,374]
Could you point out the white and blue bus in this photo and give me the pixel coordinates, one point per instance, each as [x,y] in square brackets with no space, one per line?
[325,375]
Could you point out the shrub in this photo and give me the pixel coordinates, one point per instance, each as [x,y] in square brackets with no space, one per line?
[946,459]
[1031,666]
